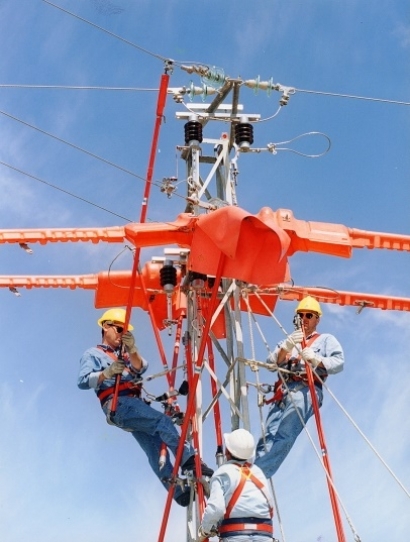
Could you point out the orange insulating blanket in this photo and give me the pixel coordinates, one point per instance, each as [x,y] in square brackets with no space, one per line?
[255,247]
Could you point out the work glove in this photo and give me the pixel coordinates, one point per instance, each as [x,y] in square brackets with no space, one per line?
[129,342]
[202,535]
[116,368]
[294,338]
[308,354]
[271,364]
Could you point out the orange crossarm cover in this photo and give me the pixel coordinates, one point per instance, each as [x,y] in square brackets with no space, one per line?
[86,282]
[111,290]
[355,299]
[321,237]
[113,234]
[333,239]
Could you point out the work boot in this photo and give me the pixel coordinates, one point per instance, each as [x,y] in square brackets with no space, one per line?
[184,499]
[189,465]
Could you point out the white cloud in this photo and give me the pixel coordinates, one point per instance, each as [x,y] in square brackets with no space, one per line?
[402,32]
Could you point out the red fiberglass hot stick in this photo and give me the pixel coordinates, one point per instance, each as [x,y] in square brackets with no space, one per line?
[162,96]
[333,497]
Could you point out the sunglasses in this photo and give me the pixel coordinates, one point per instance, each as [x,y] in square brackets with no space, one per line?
[308,315]
[118,329]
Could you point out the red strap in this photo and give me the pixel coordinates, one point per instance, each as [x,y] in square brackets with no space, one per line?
[308,342]
[133,389]
[246,526]
[236,494]
[246,474]
[312,339]
[278,388]
[103,394]
[109,353]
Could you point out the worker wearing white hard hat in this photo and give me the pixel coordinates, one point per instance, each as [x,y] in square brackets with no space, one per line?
[240,506]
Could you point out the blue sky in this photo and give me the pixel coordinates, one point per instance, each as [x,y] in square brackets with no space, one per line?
[65,474]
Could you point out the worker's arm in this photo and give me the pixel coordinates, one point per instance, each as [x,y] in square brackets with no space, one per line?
[136,360]
[215,507]
[95,367]
[325,352]
[281,352]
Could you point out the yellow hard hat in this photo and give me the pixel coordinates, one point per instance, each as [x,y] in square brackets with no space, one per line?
[114,315]
[309,304]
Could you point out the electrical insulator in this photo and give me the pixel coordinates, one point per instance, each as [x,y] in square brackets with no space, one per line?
[193,132]
[168,278]
[168,275]
[219,456]
[214,77]
[197,280]
[244,135]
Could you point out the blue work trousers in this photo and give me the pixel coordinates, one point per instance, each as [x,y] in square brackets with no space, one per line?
[150,428]
[283,426]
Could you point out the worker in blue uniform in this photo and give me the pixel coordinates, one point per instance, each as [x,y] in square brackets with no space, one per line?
[240,507]
[99,367]
[292,401]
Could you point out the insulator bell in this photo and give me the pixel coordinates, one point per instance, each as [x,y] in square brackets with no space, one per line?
[197,280]
[244,134]
[193,132]
[168,276]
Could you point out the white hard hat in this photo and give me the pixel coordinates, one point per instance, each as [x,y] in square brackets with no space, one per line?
[240,443]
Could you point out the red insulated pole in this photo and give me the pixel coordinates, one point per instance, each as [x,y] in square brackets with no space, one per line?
[162,96]
[216,409]
[191,395]
[333,497]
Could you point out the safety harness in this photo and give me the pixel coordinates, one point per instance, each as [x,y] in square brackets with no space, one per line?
[279,390]
[124,389]
[248,525]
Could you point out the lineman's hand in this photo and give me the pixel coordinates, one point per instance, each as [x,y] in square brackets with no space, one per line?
[308,354]
[116,368]
[129,342]
[294,338]
[202,535]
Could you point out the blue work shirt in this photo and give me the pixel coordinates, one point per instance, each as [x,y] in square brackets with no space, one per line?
[327,350]
[95,360]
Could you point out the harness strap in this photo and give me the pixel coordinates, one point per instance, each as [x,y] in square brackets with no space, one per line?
[246,528]
[246,475]
[125,388]
[236,494]
[278,389]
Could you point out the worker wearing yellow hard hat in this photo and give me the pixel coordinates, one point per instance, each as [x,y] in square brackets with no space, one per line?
[115,316]
[292,400]
[309,304]
[114,369]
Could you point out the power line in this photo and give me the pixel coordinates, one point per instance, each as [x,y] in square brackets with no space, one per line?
[352,96]
[141,89]
[165,59]
[155,55]
[70,87]
[76,147]
[89,153]
[64,191]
